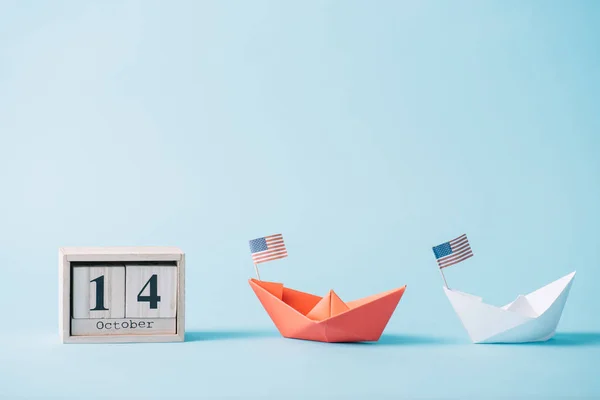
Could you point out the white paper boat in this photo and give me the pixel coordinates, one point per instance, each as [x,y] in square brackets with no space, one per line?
[530,318]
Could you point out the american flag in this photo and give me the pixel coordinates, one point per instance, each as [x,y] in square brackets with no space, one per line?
[453,252]
[268,248]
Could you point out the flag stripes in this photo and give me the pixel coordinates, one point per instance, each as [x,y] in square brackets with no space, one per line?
[268,248]
[453,252]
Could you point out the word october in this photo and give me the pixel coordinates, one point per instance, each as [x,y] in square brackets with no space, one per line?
[100,325]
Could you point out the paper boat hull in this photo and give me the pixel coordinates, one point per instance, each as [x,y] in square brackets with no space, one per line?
[361,320]
[530,318]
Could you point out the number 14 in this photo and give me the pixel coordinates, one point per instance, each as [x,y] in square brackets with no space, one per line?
[153,298]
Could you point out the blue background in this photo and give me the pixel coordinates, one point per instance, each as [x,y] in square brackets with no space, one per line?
[365,132]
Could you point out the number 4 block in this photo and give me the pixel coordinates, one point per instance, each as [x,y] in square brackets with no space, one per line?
[151,291]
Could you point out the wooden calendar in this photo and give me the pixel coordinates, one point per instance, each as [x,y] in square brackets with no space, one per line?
[121,294]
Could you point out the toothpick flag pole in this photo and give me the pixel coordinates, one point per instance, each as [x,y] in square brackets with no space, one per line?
[257,274]
[443,277]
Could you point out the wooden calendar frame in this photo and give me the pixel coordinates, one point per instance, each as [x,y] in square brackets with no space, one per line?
[68,255]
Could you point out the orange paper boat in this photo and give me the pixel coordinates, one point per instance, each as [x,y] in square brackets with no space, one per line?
[305,316]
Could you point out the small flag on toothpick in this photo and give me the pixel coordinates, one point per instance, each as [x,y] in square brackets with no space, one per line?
[453,252]
[268,248]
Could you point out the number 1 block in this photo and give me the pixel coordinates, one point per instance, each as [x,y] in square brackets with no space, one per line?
[99,292]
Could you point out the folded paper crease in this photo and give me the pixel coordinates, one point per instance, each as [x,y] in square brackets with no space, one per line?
[530,318]
[305,316]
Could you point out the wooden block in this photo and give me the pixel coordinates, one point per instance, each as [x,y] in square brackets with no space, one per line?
[151,291]
[162,309]
[181,297]
[64,296]
[133,338]
[124,326]
[123,253]
[98,291]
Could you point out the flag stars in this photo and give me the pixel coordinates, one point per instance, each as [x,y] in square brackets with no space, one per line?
[442,250]
[257,245]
